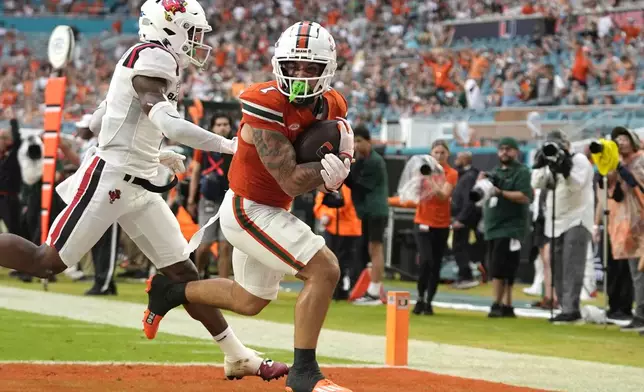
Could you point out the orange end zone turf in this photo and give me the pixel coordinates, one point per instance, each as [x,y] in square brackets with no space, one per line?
[142,378]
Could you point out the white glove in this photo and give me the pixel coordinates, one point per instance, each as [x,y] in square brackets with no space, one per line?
[346,138]
[325,220]
[229,146]
[172,161]
[335,171]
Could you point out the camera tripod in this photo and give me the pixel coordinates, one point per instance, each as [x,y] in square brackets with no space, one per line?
[552,242]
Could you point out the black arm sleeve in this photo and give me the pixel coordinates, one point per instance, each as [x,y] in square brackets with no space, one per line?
[15,134]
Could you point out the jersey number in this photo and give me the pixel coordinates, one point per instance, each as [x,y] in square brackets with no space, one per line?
[267,89]
[172,97]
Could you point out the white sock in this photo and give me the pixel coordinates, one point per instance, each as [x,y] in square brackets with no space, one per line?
[231,346]
[374,289]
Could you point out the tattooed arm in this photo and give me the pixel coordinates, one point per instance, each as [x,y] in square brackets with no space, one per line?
[278,156]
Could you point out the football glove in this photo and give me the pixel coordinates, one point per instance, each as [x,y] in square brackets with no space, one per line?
[172,161]
[346,138]
[335,171]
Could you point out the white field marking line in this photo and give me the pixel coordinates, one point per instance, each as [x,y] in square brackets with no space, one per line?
[66,326]
[188,364]
[171,342]
[89,333]
[515,369]
[532,313]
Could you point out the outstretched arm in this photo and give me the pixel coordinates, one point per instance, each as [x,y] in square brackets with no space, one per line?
[278,156]
[161,112]
[97,118]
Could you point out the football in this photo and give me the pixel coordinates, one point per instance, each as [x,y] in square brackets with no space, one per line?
[313,143]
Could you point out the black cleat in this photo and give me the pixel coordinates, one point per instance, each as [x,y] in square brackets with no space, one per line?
[159,303]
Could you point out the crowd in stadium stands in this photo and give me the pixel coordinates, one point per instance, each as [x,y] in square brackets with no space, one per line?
[443,10]
[393,58]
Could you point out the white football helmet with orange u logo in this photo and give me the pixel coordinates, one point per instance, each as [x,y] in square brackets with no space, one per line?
[310,42]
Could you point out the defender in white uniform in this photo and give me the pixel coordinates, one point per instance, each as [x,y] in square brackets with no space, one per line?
[113,186]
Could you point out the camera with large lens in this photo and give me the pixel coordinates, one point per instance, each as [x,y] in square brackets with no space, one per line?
[425,169]
[483,189]
[34,149]
[596,147]
[553,152]
[30,159]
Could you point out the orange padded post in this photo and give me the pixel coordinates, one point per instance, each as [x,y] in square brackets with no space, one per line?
[55,102]
[397,328]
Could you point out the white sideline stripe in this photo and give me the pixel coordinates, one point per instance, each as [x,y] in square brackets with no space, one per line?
[521,312]
[183,364]
[491,365]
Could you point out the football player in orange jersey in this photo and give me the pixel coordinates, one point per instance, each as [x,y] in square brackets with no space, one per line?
[264,178]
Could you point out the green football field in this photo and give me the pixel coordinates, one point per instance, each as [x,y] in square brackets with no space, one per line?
[28,336]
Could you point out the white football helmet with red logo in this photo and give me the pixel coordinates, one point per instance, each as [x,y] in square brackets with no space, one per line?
[179,25]
[305,41]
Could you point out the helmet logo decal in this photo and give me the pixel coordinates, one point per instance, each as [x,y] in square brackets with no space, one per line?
[172,7]
[303,33]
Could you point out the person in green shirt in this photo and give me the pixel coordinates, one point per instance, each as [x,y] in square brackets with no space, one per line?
[369,192]
[506,217]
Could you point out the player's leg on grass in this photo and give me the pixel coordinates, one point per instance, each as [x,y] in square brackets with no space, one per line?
[320,277]
[274,243]
[240,361]
[24,256]
[74,231]
[156,232]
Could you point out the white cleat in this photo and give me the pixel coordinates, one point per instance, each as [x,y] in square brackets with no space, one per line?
[368,300]
[254,366]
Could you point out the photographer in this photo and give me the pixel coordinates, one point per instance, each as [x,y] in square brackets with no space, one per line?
[10,177]
[506,217]
[433,219]
[626,212]
[570,177]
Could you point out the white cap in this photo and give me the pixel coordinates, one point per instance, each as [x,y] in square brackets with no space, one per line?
[84,121]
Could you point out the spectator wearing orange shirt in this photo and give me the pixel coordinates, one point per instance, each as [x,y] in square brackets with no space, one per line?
[442,66]
[626,82]
[631,31]
[343,230]
[582,65]
[433,219]
[529,8]
[8,96]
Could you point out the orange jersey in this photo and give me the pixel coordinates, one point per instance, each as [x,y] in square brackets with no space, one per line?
[264,107]
[435,212]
